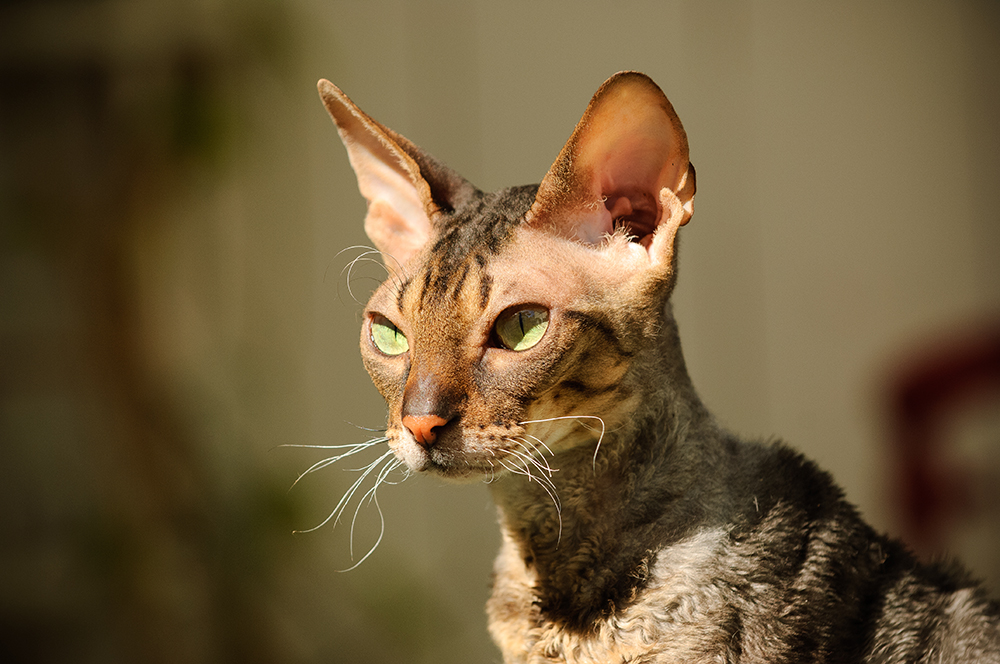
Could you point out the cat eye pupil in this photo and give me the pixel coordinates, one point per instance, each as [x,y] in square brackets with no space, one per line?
[387,337]
[520,329]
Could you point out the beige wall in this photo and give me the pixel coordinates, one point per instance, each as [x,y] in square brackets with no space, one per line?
[848,161]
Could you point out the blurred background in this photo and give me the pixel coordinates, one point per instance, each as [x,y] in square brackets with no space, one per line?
[174,201]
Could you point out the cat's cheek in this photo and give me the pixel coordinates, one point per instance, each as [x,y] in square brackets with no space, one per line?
[388,374]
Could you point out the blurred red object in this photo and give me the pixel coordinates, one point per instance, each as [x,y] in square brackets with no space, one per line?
[939,482]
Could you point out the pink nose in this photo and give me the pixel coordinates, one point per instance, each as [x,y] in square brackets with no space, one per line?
[422,427]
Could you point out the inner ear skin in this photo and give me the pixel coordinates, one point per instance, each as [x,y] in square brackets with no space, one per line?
[636,211]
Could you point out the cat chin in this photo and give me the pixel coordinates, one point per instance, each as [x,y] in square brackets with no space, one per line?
[451,474]
[463,478]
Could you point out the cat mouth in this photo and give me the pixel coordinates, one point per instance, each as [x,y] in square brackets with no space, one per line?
[443,463]
[462,465]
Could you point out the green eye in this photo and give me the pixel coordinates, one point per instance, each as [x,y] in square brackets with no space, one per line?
[520,329]
[387,337]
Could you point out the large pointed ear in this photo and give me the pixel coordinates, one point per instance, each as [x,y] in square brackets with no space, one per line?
[407,190]
[625,166]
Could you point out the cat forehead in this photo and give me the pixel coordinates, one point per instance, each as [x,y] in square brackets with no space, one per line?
[463,244]
[483,224]
[485,255]
[528,267]
[561,269]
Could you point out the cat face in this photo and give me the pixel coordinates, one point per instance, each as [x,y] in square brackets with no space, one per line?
[466,350]
[511,322]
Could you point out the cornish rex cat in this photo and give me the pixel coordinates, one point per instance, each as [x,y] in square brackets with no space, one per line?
[525,337]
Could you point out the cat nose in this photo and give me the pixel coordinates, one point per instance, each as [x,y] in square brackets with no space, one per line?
[422,427]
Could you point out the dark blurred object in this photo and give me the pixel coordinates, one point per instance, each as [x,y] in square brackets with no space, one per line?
[946,419]
[116,541]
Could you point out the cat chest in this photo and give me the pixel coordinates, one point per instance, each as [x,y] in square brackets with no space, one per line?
[686,613]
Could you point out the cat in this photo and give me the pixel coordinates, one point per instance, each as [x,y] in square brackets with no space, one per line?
[525,337]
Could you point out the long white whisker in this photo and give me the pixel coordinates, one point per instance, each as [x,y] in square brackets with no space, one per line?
[546,484]
[350,269]
[525,459]
[597,448]
[391,273]
[536,462]
[337,447]
[531,448]
[513,469]
[358,426]
[350,266]
[370,494]
[542,443]
[535,454]
[541,479]
[386,470]
[367,249]
[378,541]
[372,250]
[352,450]
[338,510]
[381,468]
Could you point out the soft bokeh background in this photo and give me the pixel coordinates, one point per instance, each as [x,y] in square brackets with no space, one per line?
[173,201]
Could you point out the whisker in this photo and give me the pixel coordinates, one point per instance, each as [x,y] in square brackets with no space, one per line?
[368,249]
[529,446]
[538,463]
[541,479]
[381,468]
[542,443]
[391,465]
[350,266]
[597,448]
[364,428]
[365,257]
[545,484]
[345,499]
[338,447]
[323,463]
[524,460]
[345,249]
[378,541]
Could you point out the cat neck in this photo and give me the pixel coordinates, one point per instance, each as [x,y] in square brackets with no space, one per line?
[584,541]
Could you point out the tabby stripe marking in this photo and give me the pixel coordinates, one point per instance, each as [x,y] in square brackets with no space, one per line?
[485,287]
[588,321]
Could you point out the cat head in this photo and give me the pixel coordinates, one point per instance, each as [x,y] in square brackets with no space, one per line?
[509,319]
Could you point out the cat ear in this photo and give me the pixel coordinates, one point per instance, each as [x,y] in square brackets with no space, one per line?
[407,190]
[626,165]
